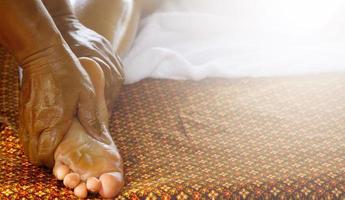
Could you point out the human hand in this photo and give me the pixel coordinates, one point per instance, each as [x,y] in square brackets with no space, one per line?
[55,88]
[85,42]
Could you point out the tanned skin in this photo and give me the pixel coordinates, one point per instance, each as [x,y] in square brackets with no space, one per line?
[85,42]
[56,93]
[55,87]
[65,101]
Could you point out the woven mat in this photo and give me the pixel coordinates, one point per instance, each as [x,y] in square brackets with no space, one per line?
[273,138]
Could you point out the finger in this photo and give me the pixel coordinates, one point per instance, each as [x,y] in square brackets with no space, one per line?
[29,135]
[49,139]
[109,88]
[90,118]
[43,122]
[115,58]
[120,76]
[97,78]
[117,72]
[110,57]
[113,82]
[96,75]
[106,44]
[27,131]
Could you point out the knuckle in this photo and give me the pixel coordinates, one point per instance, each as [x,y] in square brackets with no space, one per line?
[91,94]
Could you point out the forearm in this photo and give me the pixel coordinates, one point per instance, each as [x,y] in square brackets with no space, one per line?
[27,28]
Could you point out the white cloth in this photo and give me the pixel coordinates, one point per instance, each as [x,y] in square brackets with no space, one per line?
[195,39]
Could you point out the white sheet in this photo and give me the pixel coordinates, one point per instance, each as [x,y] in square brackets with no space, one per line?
[195,39]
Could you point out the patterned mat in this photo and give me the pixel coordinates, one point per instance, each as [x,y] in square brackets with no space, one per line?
[273,138]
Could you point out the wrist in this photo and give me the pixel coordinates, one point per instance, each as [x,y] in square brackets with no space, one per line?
[62,13]
[29,46]
[47,60]
[66,22]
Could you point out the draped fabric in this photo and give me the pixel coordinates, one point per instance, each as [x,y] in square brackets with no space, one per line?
[196,39]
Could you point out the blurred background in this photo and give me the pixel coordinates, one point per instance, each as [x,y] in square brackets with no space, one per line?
[195,39]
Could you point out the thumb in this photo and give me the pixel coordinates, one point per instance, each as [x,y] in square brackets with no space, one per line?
[90,118]
[49,139]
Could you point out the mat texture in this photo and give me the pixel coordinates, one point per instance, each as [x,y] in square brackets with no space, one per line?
[273,138]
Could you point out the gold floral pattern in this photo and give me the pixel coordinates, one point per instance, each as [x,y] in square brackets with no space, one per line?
[262,138]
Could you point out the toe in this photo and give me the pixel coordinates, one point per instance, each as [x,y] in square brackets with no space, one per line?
[60,171]
[112,183]
[80,191]
[71,180]
[93,184]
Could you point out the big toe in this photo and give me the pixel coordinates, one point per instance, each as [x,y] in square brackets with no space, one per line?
[111,184]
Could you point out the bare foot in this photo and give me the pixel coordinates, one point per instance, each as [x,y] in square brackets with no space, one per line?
[84,163]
